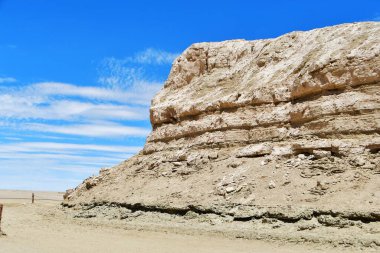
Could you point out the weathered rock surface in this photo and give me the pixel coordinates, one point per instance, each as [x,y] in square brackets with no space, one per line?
[285,129]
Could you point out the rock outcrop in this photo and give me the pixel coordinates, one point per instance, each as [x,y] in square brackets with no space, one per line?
[285,129]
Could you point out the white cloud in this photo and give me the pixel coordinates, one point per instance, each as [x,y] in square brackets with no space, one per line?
[95,162]
[93,130]
[116,74]
[60,101]
[21,107]
[129,71]
[64,147]
[154,56]
[7,80]
[139,93]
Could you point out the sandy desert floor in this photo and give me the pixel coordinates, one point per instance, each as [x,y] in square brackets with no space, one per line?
[44,227]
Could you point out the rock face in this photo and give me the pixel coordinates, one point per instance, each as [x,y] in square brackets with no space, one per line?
[284,128]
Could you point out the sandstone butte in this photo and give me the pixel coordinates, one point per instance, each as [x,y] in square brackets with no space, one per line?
[284,129]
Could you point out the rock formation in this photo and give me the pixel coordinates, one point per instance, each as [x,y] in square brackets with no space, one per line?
[284,129]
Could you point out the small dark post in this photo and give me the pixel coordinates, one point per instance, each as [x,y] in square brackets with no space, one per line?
[1,214]
[32,198]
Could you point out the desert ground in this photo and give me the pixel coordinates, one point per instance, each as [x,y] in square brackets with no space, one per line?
[46,227]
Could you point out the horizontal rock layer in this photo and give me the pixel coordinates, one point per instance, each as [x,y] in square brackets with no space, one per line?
[244,124]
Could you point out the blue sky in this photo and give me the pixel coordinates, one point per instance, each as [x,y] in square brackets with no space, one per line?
[77,76]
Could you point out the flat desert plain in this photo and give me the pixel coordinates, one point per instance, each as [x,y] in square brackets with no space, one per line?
[47,227]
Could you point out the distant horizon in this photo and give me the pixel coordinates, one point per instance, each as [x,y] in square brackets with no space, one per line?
[77,78]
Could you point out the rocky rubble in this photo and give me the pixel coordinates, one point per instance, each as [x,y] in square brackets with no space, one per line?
[284,129]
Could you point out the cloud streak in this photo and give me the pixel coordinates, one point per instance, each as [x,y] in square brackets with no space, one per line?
[139,93]
[57,147]
[154,56]
[7,80]
[14,106]
[93,130]
[129,71]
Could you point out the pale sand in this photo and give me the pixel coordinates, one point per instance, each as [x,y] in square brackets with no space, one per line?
[40,228]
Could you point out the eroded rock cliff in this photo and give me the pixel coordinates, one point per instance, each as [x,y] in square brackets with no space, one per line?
[285,129]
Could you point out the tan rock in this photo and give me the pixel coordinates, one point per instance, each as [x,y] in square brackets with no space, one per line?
[255,150]
[309,97]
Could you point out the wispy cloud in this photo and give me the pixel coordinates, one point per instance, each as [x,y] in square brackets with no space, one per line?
[94,161]
[139,92]
[59,147]
[94,130]
[14,106]
[154,56]
[129,71]
[116,73]
[7,80]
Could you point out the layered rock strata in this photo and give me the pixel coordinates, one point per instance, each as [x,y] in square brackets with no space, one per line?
[285,128]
